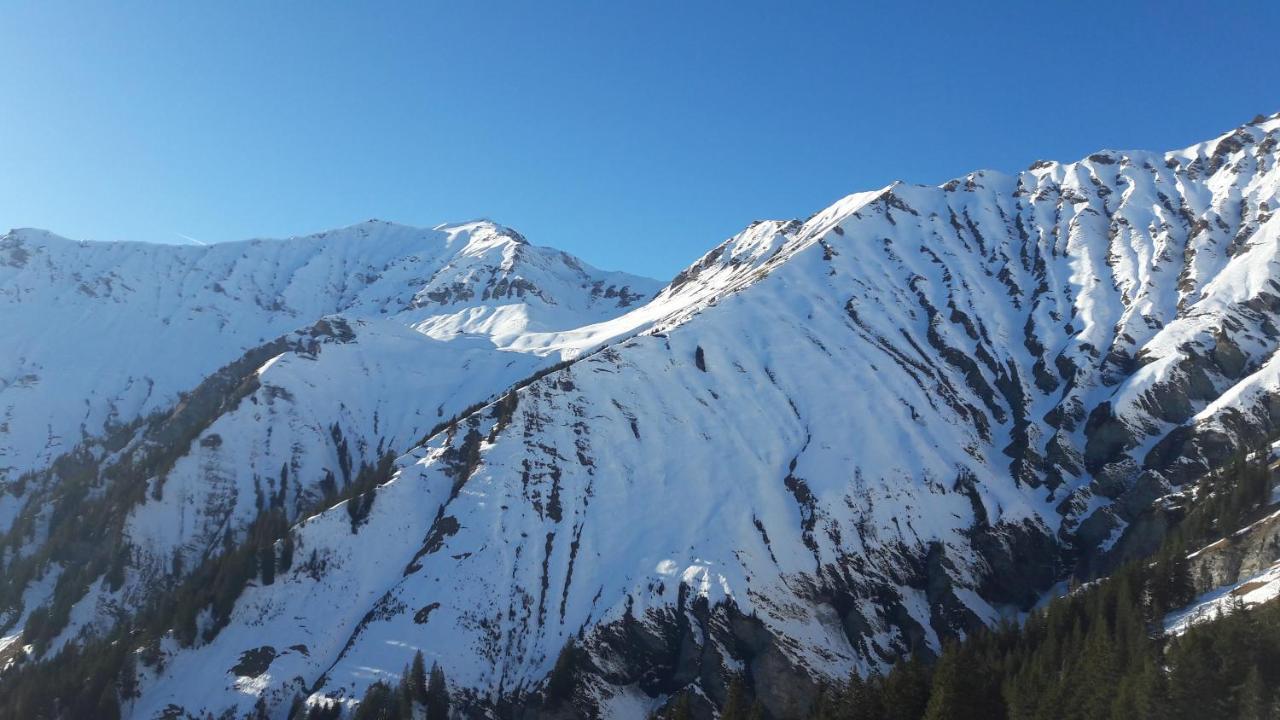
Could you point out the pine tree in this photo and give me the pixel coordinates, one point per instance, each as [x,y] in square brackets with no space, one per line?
[267,563]
[379,703]
[286,552]
[1182,589]
[826,705]
[297,708]
[906,690]
[437,695]
[872,706]
[1195,685]
[404,696]
[1099,670]
[353,513]
[560,681]
[324,711]
[108,705]
[115,577]
[1151,693]
[1254,704]
[418,679]
[962,688]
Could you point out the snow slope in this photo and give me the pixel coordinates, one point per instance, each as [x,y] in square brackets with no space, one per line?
[100,333]
[829,442]
[418,325]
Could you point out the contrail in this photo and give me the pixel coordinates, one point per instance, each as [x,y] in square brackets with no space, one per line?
[188,237]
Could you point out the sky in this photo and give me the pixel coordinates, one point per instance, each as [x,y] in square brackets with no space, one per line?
[636,135]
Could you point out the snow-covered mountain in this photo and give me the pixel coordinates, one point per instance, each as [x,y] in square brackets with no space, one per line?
[100,333]
[212,376]
[827,443]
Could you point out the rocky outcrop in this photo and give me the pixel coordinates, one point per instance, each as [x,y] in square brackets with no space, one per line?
[1245,553]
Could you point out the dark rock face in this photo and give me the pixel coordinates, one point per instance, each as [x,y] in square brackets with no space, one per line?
[663,652]
[1107,437]
[255,662]
[1022,559]
[1189,451]
[694,644]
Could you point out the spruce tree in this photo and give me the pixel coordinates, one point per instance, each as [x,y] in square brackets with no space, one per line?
[1253,701]
[437,695]
[963,689]
[267,563]
[560,681]
[905,690]
[286,552]
[1195,685]
[418,679]
[379,703]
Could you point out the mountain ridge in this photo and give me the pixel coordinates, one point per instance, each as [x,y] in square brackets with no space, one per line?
[1044,354]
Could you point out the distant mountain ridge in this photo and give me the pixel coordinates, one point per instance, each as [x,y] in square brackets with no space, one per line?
[825,444]
[263,363]
[179,312]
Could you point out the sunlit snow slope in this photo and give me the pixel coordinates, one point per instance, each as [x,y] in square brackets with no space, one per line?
[224,374]
[825,444]
[98,333]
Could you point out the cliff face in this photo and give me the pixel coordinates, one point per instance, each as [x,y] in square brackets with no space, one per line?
[1247,553]
[1240,569]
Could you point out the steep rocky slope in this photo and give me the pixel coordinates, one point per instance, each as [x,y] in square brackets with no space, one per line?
[825,444]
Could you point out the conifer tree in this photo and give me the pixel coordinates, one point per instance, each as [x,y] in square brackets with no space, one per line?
[418,679]
[286,552]
[905,690]
[404,696]
[560,682]
[267,563]
[962,689]
[1151,693]
[379,703]
[1254,704]
[437,694]
[1195,686]
[735,703]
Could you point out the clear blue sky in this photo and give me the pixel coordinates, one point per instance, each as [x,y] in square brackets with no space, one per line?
[634,134]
